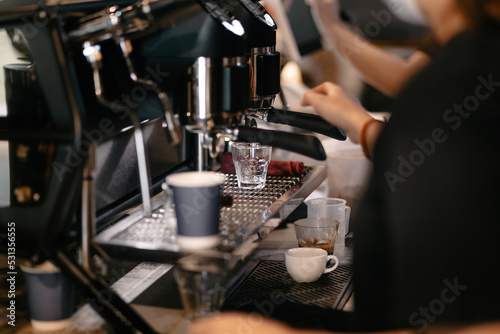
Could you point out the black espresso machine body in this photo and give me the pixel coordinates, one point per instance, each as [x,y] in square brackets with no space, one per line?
[108,136]
[111,73]
[126,93]
[82,123]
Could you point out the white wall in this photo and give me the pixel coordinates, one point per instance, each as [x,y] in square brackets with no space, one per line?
[7,55]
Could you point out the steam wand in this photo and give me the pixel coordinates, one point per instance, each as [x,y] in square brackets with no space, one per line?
[171,123]
[94,56]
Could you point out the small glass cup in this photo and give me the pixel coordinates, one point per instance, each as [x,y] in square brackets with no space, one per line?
[251,161]
[201,284]
[317,233]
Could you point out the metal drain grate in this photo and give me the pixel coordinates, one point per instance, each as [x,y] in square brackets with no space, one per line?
[250,208]
[154,238]
[270,281]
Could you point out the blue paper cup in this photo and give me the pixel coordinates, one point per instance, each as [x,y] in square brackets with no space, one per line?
[50,297]
[197,208]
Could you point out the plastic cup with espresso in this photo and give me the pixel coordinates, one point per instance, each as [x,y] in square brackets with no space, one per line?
[317,233]
[333,208]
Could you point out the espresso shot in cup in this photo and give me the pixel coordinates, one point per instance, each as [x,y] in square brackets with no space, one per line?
[333,208]
[197,200]
[317,233]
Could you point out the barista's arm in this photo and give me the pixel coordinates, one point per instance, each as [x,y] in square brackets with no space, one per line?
[335,106]
[229,323]
[234,323]
[383,70]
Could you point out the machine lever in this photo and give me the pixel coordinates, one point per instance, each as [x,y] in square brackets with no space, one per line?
[300,120]
[305,121]
[303,144]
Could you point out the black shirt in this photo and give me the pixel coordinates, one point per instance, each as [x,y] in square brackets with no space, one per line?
[427,235]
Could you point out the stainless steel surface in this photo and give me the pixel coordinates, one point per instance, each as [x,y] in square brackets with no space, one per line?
[202,77]
[88,209]
[206,112]
[239,223]
[112,22]
[201,157]
[142,162]
[94,58]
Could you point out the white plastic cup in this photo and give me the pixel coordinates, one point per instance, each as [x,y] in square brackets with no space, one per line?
[333,208]
[348,175]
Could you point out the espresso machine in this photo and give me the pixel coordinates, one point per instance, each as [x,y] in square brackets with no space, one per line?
[128,91]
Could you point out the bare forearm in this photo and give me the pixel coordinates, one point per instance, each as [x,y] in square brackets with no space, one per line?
[381,69]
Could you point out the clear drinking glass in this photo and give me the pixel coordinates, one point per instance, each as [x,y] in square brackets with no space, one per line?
[317,233]
[251,161]
[201,286]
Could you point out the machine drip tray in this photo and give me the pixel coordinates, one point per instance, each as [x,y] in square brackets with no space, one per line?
[268,281]
[264,288]
[262,282]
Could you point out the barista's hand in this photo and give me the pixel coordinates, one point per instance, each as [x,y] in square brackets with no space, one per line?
[325,13]
[233,323]
[338,108]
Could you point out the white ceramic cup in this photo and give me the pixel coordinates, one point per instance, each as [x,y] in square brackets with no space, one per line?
[307,264]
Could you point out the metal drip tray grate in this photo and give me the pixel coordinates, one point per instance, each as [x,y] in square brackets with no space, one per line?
[249,210]
[270,280]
